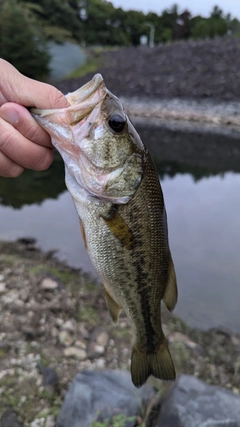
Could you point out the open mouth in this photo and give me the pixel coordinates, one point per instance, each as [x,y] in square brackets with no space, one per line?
[82,101]
[86,91]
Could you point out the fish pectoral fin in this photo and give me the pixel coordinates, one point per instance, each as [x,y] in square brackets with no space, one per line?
[119,228]
[113,308]
[83,235]
[159,364]
[171,293]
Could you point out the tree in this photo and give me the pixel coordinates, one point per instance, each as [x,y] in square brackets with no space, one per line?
[216,12]
[21,41]
[200,29]
[211,27]
[182,30]
[234,27]
[168,22]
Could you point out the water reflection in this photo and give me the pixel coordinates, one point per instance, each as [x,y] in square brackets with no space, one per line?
[33,187]
[203,206]
[204,231]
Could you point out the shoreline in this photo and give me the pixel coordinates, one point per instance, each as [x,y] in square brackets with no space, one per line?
[187,115]
[55,316]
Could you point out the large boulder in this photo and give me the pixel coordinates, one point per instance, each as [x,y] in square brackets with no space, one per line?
[193,403]
[101,395]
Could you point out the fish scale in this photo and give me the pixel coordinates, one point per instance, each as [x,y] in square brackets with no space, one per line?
[119,200]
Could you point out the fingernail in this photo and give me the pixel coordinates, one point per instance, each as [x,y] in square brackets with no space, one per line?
[9,115]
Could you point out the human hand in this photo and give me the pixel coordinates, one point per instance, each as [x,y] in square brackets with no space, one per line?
[23,143]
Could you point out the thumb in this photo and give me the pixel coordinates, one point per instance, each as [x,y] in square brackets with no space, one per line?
[15,87]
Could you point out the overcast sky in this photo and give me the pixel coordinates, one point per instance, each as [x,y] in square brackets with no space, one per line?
[199,7]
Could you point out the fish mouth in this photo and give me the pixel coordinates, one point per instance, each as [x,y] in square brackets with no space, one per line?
[82,102]
[86,91]
[69,126]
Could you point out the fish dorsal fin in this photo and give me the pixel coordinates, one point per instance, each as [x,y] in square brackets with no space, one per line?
[171,293]
[119,228]
[113,308]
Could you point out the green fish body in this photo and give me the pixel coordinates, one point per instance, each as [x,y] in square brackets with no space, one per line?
[118,197]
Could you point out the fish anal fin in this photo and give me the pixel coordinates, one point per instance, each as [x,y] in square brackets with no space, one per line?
[159,364]
[171,294]
[83,235]
[113,308]
[119,228]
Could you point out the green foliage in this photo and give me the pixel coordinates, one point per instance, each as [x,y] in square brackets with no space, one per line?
[234,27]
[120,420]
[200,29]
[21,40]
[25,23]
[211,27]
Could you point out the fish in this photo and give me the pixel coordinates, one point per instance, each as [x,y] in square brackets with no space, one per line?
[118,197]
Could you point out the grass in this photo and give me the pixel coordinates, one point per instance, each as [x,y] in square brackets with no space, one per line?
[64,275]
[120,420]
[94,61]
[88,314]
[91,65]
[123,420]
[13,391]
[8,259]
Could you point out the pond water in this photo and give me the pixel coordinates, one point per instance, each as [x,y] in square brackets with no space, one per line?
[65,58]
[200,177]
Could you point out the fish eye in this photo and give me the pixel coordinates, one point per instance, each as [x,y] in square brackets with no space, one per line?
[117,123]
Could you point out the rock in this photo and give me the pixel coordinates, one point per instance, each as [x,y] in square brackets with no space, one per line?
[26,240]
[193,403]
[38,422]
[96,395]
[50,421]
[10,419]
[4,346]
[94,350]
[2,287]
[2,277]
[181,338]
[100,363]
[69,325]
[50,378]
[65,338]
[49,284]
[31,333]
[100,336]
[83,332]
[97,343]
[102,339]
[77,353]
[81,344]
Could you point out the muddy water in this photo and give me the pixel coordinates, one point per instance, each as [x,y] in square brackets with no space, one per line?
[200,176]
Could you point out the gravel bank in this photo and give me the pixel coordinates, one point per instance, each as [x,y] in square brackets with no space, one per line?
[54,323]
[192,81]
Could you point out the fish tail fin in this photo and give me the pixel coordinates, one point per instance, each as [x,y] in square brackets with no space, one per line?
[159,364]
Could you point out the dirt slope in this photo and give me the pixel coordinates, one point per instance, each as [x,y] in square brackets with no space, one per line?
[194,69]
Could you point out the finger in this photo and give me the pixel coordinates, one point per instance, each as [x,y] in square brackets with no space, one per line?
[16,87]
[22,120]
[22,151]
[8,168]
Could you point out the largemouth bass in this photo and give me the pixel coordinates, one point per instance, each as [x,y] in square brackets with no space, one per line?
[118,197]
